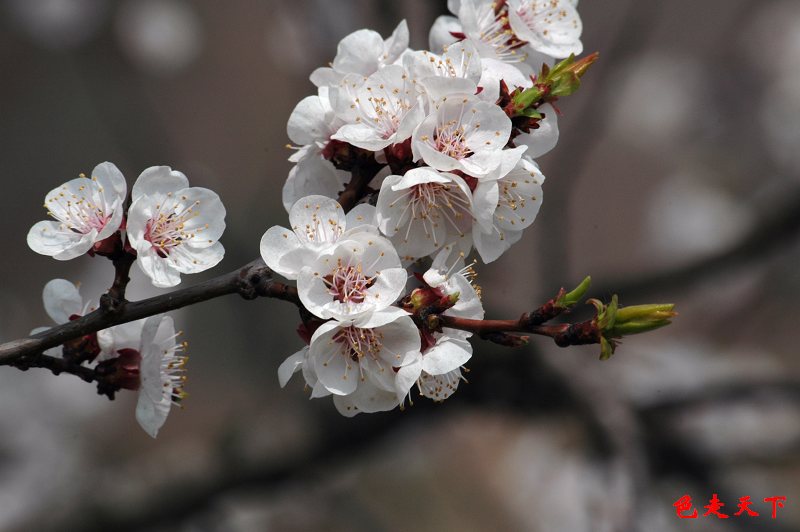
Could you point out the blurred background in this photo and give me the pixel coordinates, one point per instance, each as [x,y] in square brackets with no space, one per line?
[676,179]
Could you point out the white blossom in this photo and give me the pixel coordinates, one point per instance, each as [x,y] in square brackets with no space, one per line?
[146,357]
[463,133]
[353,278]
[438,372]
[519,197]
[86,210]
[162,373]
[552,27]
[363,52]
[424,210]
[382,111]
[356,361]
[317,223]
[174,228]
[62,302]
[457,70]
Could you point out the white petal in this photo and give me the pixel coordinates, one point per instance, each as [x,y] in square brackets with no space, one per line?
[313,176]
[61,300]
[154,400]
[441,33]
[49,238]
[309,121]
[208,222]
[291,365]
[187,258]
[160,271]
[158,180]
[545,137]
[275,244]
[361,216]
[552,27]
[359,53]
[401,341]
[111,179]
[406,377]
[368,398]
[447,355]
[317,220]
[334,370]
[397,43]
[380,318]
[491,245]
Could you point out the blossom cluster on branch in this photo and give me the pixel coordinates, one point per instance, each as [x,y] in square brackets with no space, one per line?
[406,161]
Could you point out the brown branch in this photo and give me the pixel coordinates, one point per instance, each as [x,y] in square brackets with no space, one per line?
[563,334]
[250,281]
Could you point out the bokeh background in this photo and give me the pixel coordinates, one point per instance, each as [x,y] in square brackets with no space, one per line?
[677,178]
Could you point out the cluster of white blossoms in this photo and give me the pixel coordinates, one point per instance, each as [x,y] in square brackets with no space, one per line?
[142,355]
[171,227]
[168,228]
[454,173]
[431,154]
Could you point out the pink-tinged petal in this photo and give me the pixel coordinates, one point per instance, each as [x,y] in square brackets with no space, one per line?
[158,180]
[61,300]
[113,223]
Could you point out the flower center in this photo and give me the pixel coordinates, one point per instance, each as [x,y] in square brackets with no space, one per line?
[495,32]
[348,284]
[450,139]
[432,204]
[357,343]
[167,231]
[77,212]
[384,108]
